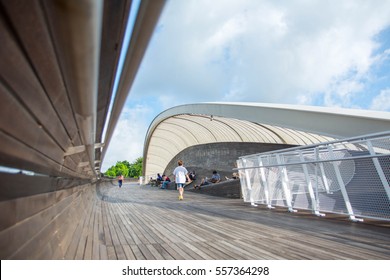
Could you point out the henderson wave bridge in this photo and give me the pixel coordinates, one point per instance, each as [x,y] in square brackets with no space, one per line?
[314,182]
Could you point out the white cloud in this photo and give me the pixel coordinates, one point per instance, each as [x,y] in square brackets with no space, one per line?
[307,52]
[342,92]
[274,52]
[381,102]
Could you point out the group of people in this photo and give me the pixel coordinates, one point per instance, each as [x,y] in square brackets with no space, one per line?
[182,178]
[215,178]
[163,181]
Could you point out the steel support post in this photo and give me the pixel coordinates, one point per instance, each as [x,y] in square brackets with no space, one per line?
[324,179]
[309,186]
[342,188]
[248,183]
[265,183]
[286,189]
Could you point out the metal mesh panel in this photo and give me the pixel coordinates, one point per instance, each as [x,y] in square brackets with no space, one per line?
[348,177]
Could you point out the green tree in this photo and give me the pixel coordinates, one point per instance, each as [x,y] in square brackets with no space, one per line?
[126,169]
[125,162]
[135,170]
[122,169]
[110,172]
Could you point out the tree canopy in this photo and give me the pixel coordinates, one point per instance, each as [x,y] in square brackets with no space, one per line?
[132,170]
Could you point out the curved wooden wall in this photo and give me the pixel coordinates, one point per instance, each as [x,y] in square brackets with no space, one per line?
[58,63]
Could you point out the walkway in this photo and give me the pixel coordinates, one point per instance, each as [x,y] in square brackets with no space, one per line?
[143,222]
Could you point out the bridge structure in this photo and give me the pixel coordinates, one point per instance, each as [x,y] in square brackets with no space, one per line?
[279,125]
[62,89]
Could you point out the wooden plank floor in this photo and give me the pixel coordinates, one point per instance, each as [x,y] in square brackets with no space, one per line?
[143,222]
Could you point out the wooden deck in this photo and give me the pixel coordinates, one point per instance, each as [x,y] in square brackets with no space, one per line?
[143,222]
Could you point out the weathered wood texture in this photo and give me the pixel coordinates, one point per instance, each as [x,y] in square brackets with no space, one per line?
[143,222]
[58,67]
[155,225]
[44,225]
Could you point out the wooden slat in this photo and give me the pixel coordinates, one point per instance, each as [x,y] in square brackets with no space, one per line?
[95,241]
[73,245]
[140,222]
[30,114]
[38,46]
[179,251]
[90,235]
[28,90]
[17,154]
[116,235]
[155,225]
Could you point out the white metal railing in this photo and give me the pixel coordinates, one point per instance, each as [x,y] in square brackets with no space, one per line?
[349,176]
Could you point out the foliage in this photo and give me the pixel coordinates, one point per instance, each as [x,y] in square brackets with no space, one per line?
[132,170]
[135,169]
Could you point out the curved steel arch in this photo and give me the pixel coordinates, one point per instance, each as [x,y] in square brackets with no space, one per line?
[294,124]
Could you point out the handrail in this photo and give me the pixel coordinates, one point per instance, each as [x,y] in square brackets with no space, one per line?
[368,136]
[329,177]
[312,162]
[148,14]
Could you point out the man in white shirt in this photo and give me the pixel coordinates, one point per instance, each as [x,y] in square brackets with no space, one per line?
[180,174]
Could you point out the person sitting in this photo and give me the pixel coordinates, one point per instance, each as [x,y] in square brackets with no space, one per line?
[165,182]
[159,179]
[234,176]
[191,178]
[215,178]
[192,175]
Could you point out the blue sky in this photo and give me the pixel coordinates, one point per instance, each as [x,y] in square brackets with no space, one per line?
[322,53]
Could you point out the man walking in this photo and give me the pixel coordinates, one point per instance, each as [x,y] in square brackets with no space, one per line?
[180,174]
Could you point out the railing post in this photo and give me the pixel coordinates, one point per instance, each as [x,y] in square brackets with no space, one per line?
[286,190]
[264,183]
[342,187]
[309,186]
[317,157]
[322,170]
[248,183]
[379,169]
[324,179]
